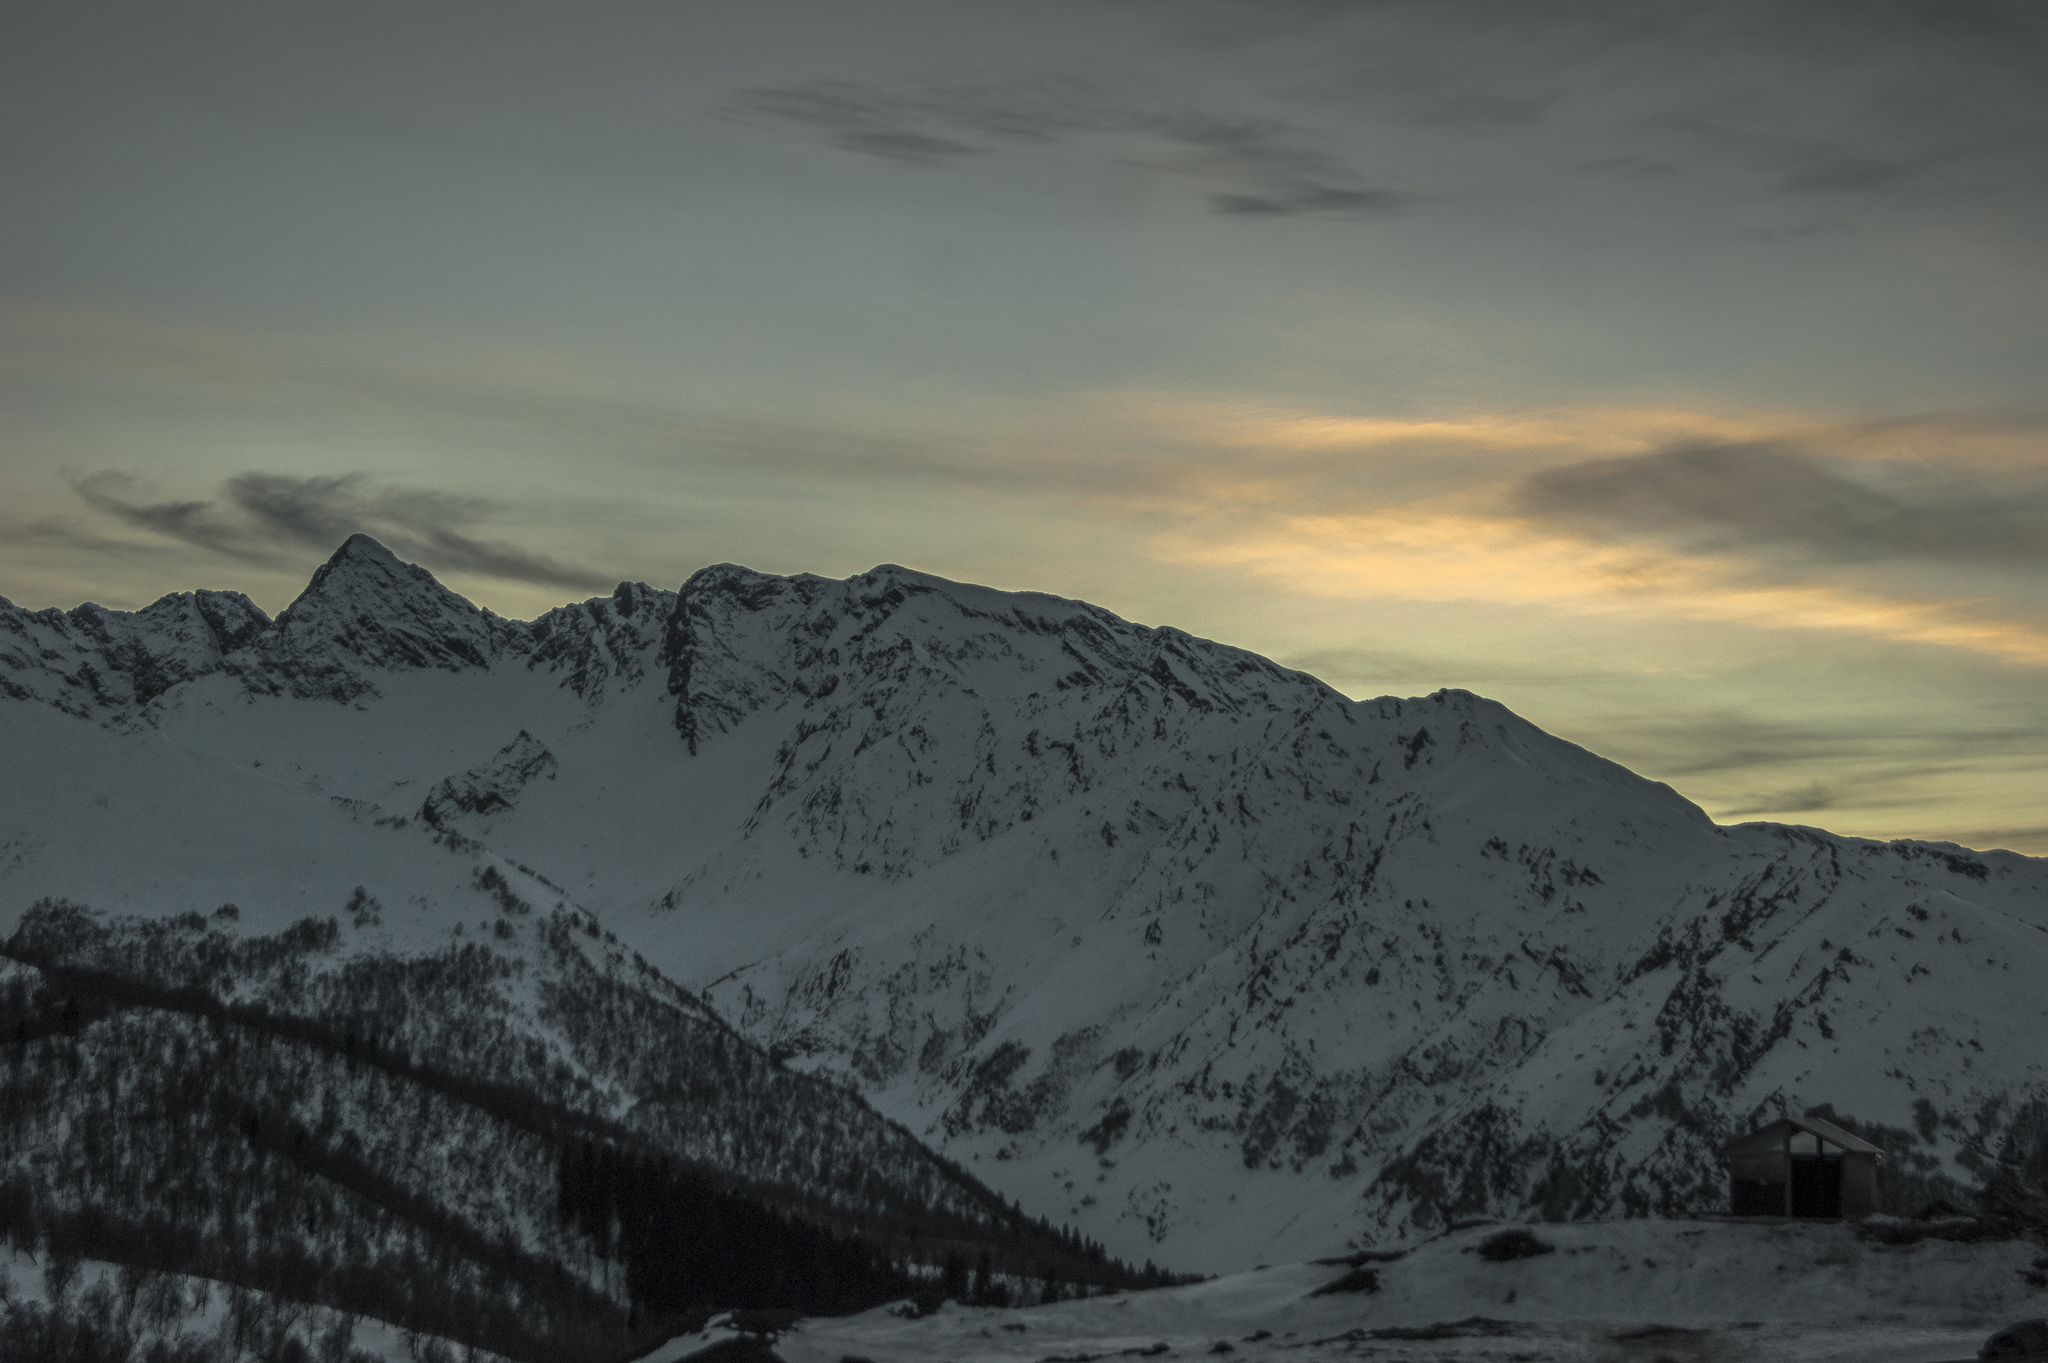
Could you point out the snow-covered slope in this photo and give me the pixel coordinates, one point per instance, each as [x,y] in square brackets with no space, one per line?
[1157,937]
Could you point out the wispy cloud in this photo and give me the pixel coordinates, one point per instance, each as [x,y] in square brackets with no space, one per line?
[2031,840]
[1249,165]
[463,395]
[1766,743]
[1810,798]
[1715,497]
[1849,170]
[262,518]
[197,523]
[1855,109]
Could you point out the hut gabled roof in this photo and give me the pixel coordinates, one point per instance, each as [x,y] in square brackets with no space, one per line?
[1765,1137]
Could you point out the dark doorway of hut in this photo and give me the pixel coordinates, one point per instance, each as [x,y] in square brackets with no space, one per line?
[1817,1185]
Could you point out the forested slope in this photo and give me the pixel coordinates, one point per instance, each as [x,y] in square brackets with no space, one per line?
[403,1137]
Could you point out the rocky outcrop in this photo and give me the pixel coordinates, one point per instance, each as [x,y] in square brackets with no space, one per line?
[110,665]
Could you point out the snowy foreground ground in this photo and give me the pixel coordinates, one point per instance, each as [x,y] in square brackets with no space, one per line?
[1616,1291]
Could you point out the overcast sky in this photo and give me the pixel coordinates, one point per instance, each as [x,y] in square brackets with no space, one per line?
[1671,372]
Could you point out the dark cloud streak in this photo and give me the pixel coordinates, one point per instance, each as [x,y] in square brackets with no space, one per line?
[314,512]
[1719,496]
[1265,166]
[1807,799]
[1316,200]
[190,522]
[1717,741]
[263,517]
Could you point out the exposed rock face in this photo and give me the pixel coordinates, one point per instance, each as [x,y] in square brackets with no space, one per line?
[493,786]
[366,612]
[1163,939]
[602,644]
[96,663]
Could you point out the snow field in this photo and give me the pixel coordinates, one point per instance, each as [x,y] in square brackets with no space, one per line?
[1611,1291]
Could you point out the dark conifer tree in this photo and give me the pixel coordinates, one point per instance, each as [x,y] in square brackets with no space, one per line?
[984,1281]
[953,1276]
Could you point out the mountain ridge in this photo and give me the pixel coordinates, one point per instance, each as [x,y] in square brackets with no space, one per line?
[1165,940]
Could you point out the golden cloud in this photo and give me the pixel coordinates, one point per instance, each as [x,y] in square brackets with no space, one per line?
[1567,432]
[1428,510]
[1441,556]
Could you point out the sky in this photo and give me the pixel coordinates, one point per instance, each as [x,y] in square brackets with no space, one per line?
[1670,372]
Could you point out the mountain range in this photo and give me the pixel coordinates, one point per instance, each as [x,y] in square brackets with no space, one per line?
[896,891]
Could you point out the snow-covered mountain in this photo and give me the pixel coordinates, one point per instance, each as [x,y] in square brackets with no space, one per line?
[1154,936]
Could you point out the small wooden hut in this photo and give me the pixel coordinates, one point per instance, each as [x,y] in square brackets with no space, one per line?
[1802,1166]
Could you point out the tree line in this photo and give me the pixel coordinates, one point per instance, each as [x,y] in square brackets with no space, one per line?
[366,1133]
